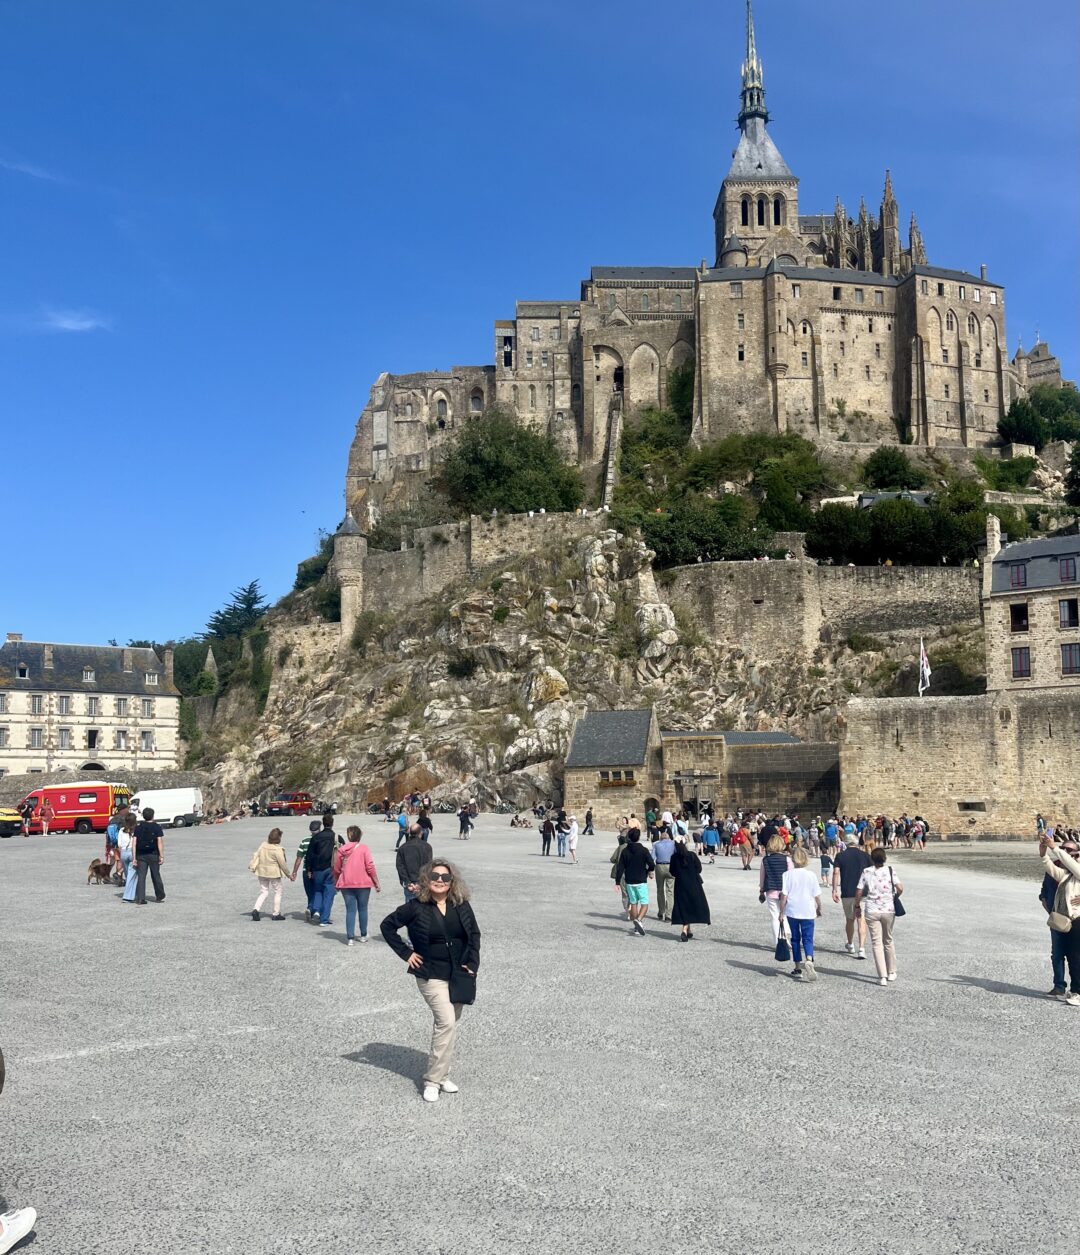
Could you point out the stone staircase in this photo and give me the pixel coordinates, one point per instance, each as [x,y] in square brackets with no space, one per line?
[611,469]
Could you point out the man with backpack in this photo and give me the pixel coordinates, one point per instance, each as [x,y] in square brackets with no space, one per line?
[318,863]
[149,855]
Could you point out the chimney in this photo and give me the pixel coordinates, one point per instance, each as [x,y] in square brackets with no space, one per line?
[982,271]
[48,657]
[168,660]
[128,663]
[14,636]
[993,548]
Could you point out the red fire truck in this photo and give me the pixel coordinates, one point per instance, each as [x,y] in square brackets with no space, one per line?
[84,806]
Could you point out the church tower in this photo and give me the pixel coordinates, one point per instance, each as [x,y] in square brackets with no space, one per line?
[760,195]
[890,230]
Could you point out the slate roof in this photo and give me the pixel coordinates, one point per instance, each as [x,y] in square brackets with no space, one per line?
[870,499]
[349,526]
[66,673]
[1041,557]
[961,276]
[741,738]
[628,274]
[757,157]
[611,738]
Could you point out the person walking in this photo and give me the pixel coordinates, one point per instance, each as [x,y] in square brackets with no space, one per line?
[710,839]
[636,868]
[149,856]
[588,824]
[620,884]
[771,879]
[319,864]
[662,852]
[876,888]
[402,826]
[301,855]
[572,838]
[1058,940]
[411,859]
[1062,862]
[355,877]
[270,865]
[125,844]
[562,830]
[443,954]
[800,904]
[424,822]
[547,832]
[46,814]
[691,905]
[464,823]
[27,813]
[847,872]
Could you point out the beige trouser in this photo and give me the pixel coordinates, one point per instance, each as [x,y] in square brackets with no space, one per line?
[665,890]
[881,927]
[436,993]
[269,885]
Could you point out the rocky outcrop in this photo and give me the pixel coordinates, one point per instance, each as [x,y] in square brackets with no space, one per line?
[477,695]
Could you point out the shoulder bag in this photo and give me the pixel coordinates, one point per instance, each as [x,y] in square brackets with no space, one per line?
[783,946]
[897,906]
[1059,921]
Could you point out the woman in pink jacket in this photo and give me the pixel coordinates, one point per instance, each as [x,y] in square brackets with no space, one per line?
[354,878]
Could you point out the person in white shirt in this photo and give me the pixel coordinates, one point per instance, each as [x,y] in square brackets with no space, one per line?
[572,838]
[800,904]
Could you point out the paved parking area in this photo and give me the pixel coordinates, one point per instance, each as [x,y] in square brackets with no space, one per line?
[182,1079]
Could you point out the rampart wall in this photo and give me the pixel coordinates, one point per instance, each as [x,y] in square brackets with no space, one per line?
[974,766]
[766,607]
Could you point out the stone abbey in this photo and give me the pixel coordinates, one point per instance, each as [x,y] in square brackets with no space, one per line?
[822,324]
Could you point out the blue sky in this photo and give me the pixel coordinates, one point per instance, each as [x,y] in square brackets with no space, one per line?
[221,220]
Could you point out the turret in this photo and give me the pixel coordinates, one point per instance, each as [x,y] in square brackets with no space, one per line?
[734,252]
[916,245]
[350,554]
[890,230]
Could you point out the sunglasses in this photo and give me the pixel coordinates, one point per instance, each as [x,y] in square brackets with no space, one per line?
[441,876]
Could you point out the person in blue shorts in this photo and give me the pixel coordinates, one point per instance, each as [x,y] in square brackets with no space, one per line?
[711,839]
[634,869]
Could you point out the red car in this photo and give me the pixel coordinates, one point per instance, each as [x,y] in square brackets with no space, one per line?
[291,804]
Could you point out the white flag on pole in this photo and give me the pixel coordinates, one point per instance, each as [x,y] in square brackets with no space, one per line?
[924,669]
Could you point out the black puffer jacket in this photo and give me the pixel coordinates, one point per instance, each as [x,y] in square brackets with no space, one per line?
[415,917]
[413,855]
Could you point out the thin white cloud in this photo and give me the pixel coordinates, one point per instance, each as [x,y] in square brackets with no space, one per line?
[31,171]
[78,320]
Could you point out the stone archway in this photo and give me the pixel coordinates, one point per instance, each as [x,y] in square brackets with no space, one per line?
[643,382]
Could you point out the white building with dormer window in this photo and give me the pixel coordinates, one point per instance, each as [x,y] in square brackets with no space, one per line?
[86,708]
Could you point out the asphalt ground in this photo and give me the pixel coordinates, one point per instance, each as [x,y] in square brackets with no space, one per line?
[183,1079]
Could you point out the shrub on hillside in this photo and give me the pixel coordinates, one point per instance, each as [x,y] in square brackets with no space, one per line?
[494,463]
[889,469]
[312,569]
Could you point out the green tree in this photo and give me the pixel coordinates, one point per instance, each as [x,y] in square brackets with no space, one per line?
[891,470]
[697,528]
[241,614]
[840,533]
[495,464]
[312,569]
[1023,424]
[681,393]
[1072,477]
[1059,408]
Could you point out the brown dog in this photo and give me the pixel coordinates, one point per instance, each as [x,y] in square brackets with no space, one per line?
[99,872]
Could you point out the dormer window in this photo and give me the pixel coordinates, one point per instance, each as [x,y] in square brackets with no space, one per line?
[1018,575]
[1067,570]
[151,677]
[88,675]
[21,671]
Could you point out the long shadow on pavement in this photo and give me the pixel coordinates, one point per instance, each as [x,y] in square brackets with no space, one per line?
[616,928]
[990,986]
[401,1060]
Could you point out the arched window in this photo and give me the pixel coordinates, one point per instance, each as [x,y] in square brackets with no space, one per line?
[973,326]
[950,322]
[441,408]
[761,211]
[678,302]
[645,302]
[611,301]
[746,211]
[550,396]
[514,396]
[778,211]
[476,402]
[577,394]
[532,396]
[806,328]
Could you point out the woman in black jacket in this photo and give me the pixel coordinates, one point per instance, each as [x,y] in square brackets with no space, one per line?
[443,954]
[691,905]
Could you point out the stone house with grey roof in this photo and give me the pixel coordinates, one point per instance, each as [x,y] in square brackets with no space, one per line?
[826,324]
[86,708]
[621,761]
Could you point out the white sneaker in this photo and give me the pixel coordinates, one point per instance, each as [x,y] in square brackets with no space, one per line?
[363,941]
[448,1087]
[862,954]
[883,981]
[1072,1000]
[892,976]
[431,1093]
[14,1226]
[849,948]
[349,942]
[809,972]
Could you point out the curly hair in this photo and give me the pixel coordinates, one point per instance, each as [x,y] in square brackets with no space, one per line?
[459,890]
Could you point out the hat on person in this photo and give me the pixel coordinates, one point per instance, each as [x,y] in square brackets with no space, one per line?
[314,826]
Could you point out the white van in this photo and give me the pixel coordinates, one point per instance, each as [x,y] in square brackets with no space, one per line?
[178,808]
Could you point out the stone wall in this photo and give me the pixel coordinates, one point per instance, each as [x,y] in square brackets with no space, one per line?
[771,606]
[974,766]
[799,780]
[14,788]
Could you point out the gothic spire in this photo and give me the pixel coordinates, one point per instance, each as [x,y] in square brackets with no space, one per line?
[753,75]
[888,198]
[916,244]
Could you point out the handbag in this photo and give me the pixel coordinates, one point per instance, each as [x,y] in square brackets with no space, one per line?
[897,906]
[783,946]
[1059,921]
